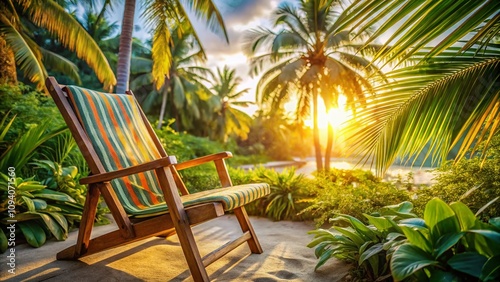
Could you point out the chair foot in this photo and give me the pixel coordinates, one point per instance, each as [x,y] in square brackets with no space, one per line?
[253,242]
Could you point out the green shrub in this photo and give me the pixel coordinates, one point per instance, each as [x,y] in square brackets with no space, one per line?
[30,107]
[450,244]
[369,247]
[453,181]
[351,192]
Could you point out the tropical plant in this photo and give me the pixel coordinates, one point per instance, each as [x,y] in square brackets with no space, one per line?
[369,247]
[449,244]
[32,59]
[450,97]
[160,16]
[184,86]
[351,192]
[310,57]
[33,212]
[453,182]
[228,119]
[288,190]
[23,149]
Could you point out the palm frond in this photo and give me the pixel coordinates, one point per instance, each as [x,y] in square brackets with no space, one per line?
[59,63]
[412,112]
[26,58]
[49,15]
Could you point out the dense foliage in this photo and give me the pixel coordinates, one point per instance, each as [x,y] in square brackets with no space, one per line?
[474,181]
[448,244]
[351,192]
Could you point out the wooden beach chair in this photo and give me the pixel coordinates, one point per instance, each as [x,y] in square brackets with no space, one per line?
[138,180]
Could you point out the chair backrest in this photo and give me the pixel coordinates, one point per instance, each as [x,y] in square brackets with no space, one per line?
[120,137]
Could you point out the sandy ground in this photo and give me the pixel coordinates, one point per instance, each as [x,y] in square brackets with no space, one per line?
[285,257]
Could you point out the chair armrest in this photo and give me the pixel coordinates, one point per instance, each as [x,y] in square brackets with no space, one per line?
[107,176]
[202,160]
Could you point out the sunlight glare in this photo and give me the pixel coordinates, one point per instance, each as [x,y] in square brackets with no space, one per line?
[335,116]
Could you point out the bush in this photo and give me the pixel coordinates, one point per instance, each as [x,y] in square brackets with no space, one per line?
[448,244]
[454,181]
[30,107]
[351,192]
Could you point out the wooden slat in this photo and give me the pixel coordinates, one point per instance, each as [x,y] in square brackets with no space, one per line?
[107,176]
[202,160]
[226,248]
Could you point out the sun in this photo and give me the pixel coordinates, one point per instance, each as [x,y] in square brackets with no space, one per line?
[335,116]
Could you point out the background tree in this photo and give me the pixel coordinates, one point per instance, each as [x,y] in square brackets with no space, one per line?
[309,57]
[184,85]
[15,25]
[447,97]
[227,119]
[160,16]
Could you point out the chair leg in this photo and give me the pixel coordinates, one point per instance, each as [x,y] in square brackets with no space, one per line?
[245,224]
[86,224]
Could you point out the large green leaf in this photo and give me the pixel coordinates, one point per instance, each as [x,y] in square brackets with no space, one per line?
[440,219]
[408,259]
[465,216]
[491,269]
[445,242]
[370,252]
[53,195]
[469,262]
[33,232]
[351,235]
[360,227]
[419,237]
[55,228]
[381,223]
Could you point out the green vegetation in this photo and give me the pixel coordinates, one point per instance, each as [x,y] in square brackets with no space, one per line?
[449,243]
[352,192]
[434,101]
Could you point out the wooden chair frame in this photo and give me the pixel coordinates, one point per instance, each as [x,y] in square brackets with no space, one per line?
[178,220]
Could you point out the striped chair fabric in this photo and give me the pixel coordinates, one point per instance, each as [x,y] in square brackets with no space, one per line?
[120,138]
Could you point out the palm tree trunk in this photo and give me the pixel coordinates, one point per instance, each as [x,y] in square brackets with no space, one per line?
[163,105]
[125,48]
[317,144]
[8,72]
[329,146]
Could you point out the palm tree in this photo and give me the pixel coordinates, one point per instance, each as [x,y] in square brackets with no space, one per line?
[229,120]
[160,16]
[311,58]
[185,82]
[31,58]
[449,94]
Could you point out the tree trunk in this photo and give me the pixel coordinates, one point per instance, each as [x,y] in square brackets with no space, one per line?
[329,146]
[8,72]
[317,144]
[163,105]
[125,48]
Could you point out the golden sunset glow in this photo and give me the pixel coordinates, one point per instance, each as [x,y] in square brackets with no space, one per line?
[335,116]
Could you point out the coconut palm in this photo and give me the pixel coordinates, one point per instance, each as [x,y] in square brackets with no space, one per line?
[229,120]
[15,18]
[161,16]
[310,58]
[449,95]
[184,84]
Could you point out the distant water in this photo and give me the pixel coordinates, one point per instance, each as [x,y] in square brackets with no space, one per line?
[421,175]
